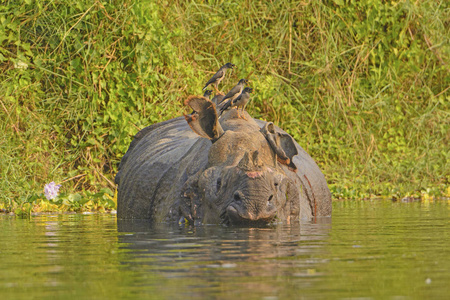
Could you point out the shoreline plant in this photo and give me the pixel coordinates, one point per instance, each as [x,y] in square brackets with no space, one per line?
[363,86]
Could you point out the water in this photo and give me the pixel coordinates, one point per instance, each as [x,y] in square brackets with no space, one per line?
[369,250]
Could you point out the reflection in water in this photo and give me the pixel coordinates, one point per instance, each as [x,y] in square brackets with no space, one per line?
[372,250]
[220,259]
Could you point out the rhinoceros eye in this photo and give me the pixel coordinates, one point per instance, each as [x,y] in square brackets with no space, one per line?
[219,183]
[276,184]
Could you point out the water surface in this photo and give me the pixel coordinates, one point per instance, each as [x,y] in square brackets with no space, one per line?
[369,249]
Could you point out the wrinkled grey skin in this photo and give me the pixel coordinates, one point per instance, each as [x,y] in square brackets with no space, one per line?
[170,174]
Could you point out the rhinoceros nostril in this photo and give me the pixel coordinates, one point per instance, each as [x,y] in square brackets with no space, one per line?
[219,184]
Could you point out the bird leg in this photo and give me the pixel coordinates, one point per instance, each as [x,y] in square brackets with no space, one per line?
[217,91]
[237,111]
[243,115]
[239,115]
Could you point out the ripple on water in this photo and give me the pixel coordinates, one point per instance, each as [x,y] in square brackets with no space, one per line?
[370,249]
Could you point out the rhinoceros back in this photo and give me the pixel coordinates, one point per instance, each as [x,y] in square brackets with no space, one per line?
[164,156]
[152,172]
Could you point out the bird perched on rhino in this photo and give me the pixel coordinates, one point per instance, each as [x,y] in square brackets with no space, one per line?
[207,94]
[240,101]
[234,92]
[218,77]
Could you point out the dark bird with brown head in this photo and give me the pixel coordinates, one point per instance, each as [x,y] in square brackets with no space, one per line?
[218,77]
[207,94]
[241,101]
[234,92]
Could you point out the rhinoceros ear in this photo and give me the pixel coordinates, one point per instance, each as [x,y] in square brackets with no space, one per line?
[282,144]
[203,120]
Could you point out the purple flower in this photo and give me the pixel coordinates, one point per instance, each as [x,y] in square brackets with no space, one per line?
[51,190]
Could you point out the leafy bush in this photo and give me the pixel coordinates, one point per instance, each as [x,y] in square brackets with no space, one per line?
[362,85]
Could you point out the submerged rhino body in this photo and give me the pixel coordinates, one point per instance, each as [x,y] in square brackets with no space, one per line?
[231,171]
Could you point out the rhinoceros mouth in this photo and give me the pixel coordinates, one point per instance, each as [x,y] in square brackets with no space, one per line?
[235,215]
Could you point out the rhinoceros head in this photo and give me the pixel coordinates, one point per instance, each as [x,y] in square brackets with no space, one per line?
[243,182]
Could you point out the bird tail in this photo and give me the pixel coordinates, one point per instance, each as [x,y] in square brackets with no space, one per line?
[221,100]
[221,112]
[222,106]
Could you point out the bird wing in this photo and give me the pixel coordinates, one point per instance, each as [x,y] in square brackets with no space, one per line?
[225,106]
[232,92]
[213,79]
[236,99]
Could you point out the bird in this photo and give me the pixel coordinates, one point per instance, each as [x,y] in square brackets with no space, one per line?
[217,78]
[240,101]
[207,94]
[235,91]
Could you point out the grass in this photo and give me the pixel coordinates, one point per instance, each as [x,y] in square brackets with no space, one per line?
[362,86]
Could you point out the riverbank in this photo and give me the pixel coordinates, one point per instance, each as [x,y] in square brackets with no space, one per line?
[363,88]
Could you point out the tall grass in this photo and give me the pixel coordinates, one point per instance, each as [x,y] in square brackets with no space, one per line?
[363,86]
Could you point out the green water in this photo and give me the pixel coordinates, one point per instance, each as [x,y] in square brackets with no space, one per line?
[368,250]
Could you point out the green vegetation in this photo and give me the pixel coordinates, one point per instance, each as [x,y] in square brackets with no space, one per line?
[363,86]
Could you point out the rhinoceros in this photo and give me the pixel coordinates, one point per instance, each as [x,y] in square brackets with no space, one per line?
[202,169]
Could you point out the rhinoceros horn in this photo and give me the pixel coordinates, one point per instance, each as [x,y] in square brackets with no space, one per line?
[282,144]
[203,120]
[250,163]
